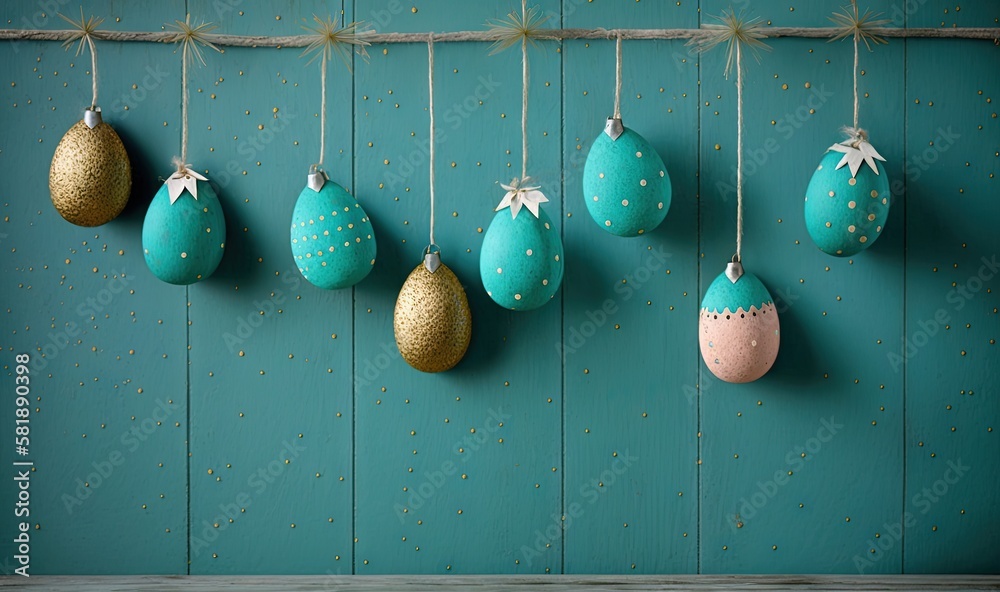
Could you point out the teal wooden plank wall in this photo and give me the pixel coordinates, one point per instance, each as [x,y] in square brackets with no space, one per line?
[261,425]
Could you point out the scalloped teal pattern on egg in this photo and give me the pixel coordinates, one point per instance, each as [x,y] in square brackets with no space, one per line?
[844,214]
[625,184]
[746,292]
[521,263]
[183,242]
[332,239]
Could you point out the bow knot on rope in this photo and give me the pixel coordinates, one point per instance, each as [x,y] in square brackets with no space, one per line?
[525,27]
[85,31]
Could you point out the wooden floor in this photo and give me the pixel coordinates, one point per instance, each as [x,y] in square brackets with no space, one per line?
[693,583]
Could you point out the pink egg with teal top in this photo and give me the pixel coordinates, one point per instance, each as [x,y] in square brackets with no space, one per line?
[183,238]
[625,183]
[846,211]
[333,243]
[521,262]
[738,327]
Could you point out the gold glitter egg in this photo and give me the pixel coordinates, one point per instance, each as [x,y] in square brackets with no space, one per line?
[90,178]
[432,321]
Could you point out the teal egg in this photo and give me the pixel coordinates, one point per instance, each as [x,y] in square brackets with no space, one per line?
[625,184]
[746,292]
[521,262]
[844,214]
[183,241]
[333,242]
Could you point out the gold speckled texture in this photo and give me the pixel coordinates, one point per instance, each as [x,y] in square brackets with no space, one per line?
[432,321]
[90,178]
[739,346]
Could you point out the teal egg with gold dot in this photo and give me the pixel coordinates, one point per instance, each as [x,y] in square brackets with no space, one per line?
[183,242]
[521,262]
[845,214]
[625,184]
[333,243]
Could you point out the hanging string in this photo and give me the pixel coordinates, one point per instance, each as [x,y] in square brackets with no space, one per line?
[430,108]
[84,31]
[856,36]
[739,153]
[322,111]
[618,76]
[326,37]
[184,108]
[93,70]
[190,38]
[524,96]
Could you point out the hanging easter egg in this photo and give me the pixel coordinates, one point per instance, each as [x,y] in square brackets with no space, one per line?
[521,263]
[184,233]
[846,206]
[625,184]
[432,321]
[333,242]
[738,328]
[90,178]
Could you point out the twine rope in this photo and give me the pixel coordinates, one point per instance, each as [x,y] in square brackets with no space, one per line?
[430,108]
[184,108]
[255,41]
[524,97]
[322,110]
[739,153]
[93,70]
[856,36]
[618,76]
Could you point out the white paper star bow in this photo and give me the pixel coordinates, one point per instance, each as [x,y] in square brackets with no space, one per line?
[519,194]
[856,151]
[184,178]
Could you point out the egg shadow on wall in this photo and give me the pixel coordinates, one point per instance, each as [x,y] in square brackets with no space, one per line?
[237,260]
[796,363]
[491,324]
[146,179]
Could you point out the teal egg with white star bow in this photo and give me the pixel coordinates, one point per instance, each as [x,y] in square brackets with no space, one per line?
[625,184]
[332,239]
[521,262]
[846,213]
[183,242]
